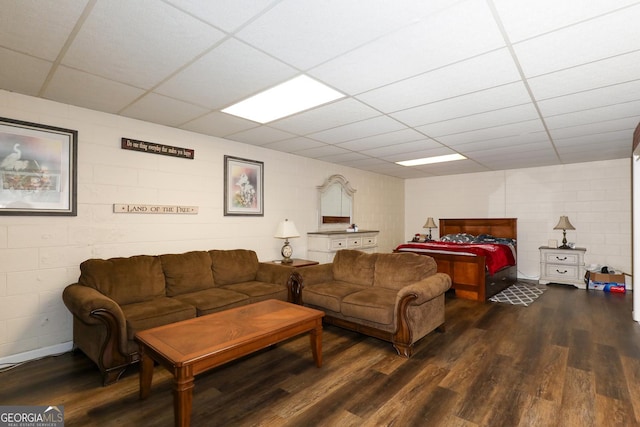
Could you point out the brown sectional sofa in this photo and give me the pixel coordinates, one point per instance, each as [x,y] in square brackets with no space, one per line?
[115,298]
[397,297]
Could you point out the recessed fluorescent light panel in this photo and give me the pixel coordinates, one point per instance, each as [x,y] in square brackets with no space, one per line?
[290,97]
[429,160]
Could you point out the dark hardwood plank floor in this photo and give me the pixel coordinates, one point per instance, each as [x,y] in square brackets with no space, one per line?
[570,359]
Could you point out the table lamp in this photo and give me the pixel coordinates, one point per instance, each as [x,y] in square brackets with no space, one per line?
[564,225]
[286,230]
[429,224]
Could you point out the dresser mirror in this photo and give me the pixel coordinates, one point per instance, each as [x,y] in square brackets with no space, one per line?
[335,201]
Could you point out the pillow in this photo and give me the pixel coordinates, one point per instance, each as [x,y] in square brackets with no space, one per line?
[488,238]
[458,238]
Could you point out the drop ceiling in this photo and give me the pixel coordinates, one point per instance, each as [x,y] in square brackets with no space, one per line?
[506,83]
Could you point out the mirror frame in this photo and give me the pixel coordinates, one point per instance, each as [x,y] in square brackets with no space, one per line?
[348,190]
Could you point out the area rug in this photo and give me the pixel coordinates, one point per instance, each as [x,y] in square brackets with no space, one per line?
[519,294]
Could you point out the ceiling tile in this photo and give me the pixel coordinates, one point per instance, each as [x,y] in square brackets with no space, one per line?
[512,134]
[599,127]
[227,74]
[511,131]
[260,135]
[161,109]
[294,144]
[386,139]
[523,19]
[479,73]
[401,149]
[21,73]
[594,115]
[610,95]
[494,118]
[152,41]
[344,157]
[305,33]
[327,116]
[89,91]
[225,14]
[219,124]
[418,154]
[361,129]
[324,151]
[494,98]
[581,43]
[426,45]
[606,72]
[38,28]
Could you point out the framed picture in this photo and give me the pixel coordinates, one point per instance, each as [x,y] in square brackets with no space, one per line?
[37,169]
[243,187]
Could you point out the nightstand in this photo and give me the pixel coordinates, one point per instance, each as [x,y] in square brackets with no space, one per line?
[565,266]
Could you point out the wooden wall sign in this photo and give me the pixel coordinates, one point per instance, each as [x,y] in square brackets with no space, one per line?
[154,148]
[155,209]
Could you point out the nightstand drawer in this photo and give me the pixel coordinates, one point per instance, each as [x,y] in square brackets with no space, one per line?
[559,271]
[565,257]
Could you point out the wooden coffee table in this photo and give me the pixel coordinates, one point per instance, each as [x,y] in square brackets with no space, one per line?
[193,346]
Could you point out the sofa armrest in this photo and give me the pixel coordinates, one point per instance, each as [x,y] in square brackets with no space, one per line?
[273,273]
[91,307]
[319,273]
[426,289]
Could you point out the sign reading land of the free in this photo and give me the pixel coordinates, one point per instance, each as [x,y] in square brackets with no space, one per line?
[155,209]
[154,148]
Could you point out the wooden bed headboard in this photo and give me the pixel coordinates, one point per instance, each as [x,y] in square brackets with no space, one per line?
[498,227]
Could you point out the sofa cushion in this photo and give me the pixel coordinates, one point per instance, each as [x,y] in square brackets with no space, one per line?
[397,270]
[212,300]
[187,272]
[372,304]
[157,312]
[328,295]
[355,267]
[259,291]
[233,266]
[125,280]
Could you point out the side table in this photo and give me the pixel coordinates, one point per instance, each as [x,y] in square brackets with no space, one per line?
[297,262]
[565,266]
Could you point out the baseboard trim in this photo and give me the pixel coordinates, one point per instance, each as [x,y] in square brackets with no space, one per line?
[35,354]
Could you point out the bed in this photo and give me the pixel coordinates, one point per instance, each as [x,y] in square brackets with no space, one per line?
[471,278]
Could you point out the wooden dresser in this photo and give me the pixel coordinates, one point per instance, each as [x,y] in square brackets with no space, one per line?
[322,245]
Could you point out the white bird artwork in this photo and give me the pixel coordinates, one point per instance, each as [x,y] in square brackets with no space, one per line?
[9,162]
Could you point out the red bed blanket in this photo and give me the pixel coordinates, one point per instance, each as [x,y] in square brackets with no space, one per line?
[497,256]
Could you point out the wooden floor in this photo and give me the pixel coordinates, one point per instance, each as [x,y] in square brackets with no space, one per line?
[570,359]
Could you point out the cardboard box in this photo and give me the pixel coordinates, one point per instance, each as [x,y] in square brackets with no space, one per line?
[605,282]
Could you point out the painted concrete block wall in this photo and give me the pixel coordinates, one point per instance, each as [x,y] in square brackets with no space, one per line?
[596,196]
[39,256]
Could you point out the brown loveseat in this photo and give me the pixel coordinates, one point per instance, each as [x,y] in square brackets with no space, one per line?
[397,297]
[117,297]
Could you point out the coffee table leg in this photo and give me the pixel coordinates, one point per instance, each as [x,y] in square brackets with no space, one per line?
[183,396]
[146,373]
[316,343]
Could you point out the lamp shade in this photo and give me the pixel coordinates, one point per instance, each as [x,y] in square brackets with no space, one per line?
[286,229]
[564,224]
[430,223]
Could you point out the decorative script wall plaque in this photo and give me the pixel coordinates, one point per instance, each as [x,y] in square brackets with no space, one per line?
[152,147]
[155,209]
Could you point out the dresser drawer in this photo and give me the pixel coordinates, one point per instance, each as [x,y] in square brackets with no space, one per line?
[354,242]
[369,242]
[337,244]
[561,271]
[562,258]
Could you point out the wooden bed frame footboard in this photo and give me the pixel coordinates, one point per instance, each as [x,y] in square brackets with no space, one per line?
[469,276]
